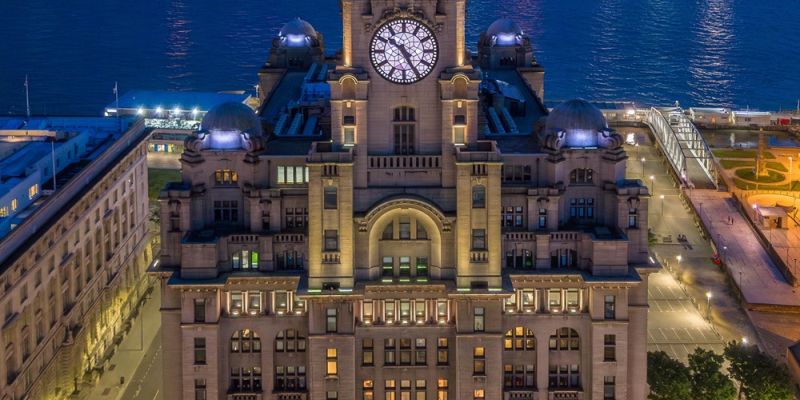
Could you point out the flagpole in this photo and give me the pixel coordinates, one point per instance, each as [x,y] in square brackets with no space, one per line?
[27,98]
[116,97]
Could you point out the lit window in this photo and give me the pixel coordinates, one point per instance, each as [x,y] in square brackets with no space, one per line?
[33,191]
[479,361]
[349,135]
[459,134]
[331,365]
[292,175]
[3,212]
[479,321]
[226,177]
[13,204]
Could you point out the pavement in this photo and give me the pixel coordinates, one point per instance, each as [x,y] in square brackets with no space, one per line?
[137,360]
[757,276]
[681,317]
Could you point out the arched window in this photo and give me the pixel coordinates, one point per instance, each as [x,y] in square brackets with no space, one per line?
[565,339]
[460,88]
[348,88]
[404,130]
[519,339]
[290,341]
[226,177]
[245,341]
[581,175]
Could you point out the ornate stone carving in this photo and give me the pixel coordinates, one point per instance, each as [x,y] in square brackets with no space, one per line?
[404,12]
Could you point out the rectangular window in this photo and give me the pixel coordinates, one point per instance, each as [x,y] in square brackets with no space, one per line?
[609,347]
[331,365]
[331,240]
[349,135]
[330,320]
[459,134]
[199,351]
[441,311]
[419,389]
[226,211]
[479,319]
[199,310]
[419,311]
[237,303]
[609,383]
[479,239]
[529,300]
[330,198]
[441,389]
[554,300]
[405,266]
[573,300]
[479,196]
[281,303]
[389,352]
[390,389]
[404,139]
[389,311]
[254,302]
[405,310]
[405,228]
[405,351]
[369,389]
[609,307]
[442,351]
[368,352]
[200,389]
[226,177]
[367,311]
[479,361]
[331,395]
[420,352]
[478,394]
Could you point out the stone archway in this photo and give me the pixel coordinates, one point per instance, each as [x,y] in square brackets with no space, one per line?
[422,213]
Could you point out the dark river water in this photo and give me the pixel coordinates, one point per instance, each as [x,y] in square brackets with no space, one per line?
[700,52]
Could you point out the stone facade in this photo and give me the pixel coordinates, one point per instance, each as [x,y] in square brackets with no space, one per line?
[73,274]
[444,239]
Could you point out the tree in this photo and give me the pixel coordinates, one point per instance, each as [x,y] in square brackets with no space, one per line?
[668,378]
[761,378]
[708,381]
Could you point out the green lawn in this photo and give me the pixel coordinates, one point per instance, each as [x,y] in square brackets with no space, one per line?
[157,178]
[777,166]
[730,164]
[752,186]
[728,153]
[750,175]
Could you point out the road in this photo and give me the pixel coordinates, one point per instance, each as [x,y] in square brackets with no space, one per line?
[678,319]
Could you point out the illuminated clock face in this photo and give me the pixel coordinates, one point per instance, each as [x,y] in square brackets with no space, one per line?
[403,51]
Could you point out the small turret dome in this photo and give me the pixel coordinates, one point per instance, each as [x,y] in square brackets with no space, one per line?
[227,122]
[581,123]
[297,33]
[504,32]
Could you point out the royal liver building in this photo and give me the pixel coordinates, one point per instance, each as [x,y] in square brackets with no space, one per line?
[404,220]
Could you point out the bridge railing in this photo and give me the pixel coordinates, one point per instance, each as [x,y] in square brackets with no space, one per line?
[667,139]
[697,145]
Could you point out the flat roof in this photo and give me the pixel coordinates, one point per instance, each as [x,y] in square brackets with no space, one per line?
[151,99]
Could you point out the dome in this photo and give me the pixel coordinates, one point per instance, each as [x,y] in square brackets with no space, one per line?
[226,122]
[231,116]
[504,32]
[580,121]
[297,33]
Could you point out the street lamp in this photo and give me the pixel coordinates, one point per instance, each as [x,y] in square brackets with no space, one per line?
[708,305]
[744,340]
[643,160]
[662,204]
[653,183]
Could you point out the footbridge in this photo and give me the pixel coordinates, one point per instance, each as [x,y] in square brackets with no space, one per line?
[684,147]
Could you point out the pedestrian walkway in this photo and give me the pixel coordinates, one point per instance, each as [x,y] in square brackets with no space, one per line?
[127,357]
[757,276]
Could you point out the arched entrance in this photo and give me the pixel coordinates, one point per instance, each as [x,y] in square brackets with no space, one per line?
[405,239]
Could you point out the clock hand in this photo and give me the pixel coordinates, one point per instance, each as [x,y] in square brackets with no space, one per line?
[405,53]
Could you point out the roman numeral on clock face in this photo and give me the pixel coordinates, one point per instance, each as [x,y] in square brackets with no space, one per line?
[403,51]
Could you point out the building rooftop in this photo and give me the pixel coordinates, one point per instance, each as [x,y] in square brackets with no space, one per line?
[150,100]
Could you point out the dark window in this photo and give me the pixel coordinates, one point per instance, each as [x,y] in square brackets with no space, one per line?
[542,218]
[388,232]
[330,320]
[199,310]
[518,376]
[403,130]
[245,341]
[199,350]
[565,339]
[581,175]
[291,378]
[609,383]
[513,217]
[405,228]
[296,218]
[331,201]
[200,389]
[479,196]
[480,319]
[609,307]
[331,240]
[479,239]
[389,352]
[226,211]
[609,347]
[368,352]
